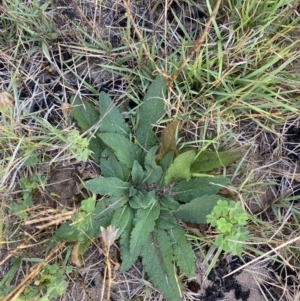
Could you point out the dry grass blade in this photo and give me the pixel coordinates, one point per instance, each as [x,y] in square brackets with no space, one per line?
[141,39]
[264,255]
[197,44]
[50,220]
[86,20]
[75,254]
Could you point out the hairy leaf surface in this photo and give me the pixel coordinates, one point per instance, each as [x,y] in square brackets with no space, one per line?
[137,172]
[132,191]
[180,168]
[183,252]
[208,160]
[125,150]
[185,191]
[158,264]
[166,220]
[104,211]
[150,111]
[121,218]
[127,259]
[112,119]
[142,200]
[165,162]
[169,203]
[153,171]
[111,167]
[84,112]
[144,222]
[107,186]
[196,210]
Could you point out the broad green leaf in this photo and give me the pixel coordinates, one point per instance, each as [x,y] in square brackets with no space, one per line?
[132,191]
[111,167]
[209,160]
[137,172]
[196,210]
[124,150]
[144,222]
[96,146]
[153,175]
[150,157]
[112,119]
[107,186]
[185,191]
[86,116]
[169,203]
[168,142]
[158,263]
[153,171]
[127,259]
[121,218]
[166,220]
[183,252]
[165,162]
[84,113]
[150,111]
[180,168]
[68,233]
[142,200]
[104,211]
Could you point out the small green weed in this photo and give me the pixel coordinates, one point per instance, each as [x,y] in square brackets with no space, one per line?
[145,188]
[229,218]
[28,186]
[53,281]
[50,284]
[79,146]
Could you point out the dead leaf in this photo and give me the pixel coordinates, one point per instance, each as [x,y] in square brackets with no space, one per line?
[168,142]
[6,100]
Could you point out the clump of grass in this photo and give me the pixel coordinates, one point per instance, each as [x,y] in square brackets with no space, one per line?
[240,73]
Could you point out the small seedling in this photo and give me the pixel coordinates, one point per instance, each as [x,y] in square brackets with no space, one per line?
[51,281]
[79,146]
[28,186]
[229,218]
